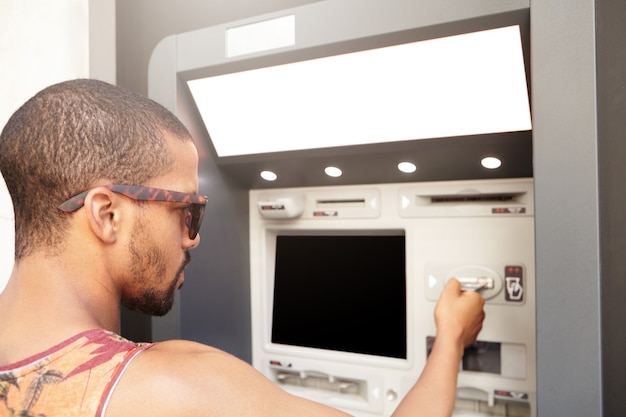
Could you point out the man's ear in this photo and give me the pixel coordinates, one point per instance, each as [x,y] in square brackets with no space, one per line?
[103,213]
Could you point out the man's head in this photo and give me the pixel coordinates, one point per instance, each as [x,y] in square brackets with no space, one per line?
[70,137]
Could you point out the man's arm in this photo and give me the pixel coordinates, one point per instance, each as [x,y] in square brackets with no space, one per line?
[459,316]
[187,378]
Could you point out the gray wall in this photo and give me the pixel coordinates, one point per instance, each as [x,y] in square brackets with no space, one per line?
[578,97]
[214,305]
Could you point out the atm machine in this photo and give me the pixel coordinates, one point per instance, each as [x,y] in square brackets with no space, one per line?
[344,282]
[344,278]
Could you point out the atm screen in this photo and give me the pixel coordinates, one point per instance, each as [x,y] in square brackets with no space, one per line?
[344,293]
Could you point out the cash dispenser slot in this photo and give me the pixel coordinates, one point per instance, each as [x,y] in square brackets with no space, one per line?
[350,388]
[473,402]
[357,392]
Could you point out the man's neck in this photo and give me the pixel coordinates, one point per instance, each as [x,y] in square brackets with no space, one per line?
[49,300]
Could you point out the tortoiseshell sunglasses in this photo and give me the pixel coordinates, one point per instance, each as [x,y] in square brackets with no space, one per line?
[139,193]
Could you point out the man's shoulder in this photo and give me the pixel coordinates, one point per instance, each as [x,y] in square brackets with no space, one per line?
[181,359]
[158,379]
[175,356]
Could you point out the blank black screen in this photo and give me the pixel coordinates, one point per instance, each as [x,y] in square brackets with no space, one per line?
[345,293]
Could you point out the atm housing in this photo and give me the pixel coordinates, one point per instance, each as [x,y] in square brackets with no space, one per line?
[480,231]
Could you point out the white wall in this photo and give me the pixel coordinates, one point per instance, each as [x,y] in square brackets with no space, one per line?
[42,43]
[7,234]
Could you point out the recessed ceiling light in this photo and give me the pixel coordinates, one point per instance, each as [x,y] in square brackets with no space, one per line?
[407,167]
[491,162]
[269,176]
[333,172]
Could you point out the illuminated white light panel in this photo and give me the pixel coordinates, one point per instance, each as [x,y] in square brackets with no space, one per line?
[460,85]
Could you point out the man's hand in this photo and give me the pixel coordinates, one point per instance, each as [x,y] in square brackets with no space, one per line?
[459,314]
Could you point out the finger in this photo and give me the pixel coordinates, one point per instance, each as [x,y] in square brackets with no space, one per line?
[453,286]
[476,296]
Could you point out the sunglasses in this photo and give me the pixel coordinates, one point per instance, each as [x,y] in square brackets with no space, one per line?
[139,193]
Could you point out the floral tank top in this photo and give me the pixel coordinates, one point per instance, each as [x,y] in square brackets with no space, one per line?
[73,379]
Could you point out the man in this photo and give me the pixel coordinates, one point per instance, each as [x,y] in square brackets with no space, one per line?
[103,183]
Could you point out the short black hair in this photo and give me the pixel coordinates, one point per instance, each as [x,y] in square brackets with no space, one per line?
[68,137]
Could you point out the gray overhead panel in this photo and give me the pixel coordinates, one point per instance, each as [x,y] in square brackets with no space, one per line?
[336,28]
